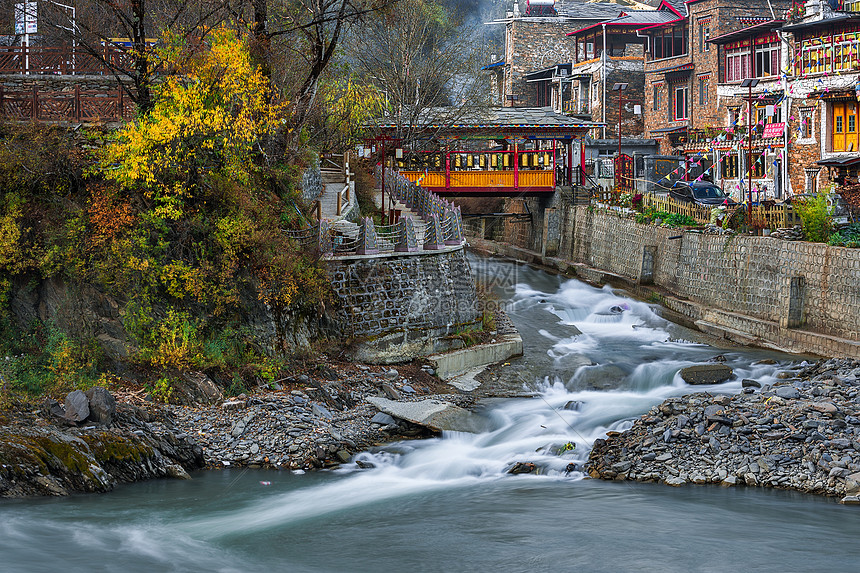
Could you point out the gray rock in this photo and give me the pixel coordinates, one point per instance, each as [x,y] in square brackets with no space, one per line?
[177,472]
[233,405]
[787,392]
[321,411]
[102,405]
[663,457]
[77,406]
[408,389]
[391,392]
[706,374]
[749,383]
[383,419]
[433,414]
[391,375]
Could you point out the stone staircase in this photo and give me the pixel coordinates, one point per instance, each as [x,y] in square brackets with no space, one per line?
[418,223]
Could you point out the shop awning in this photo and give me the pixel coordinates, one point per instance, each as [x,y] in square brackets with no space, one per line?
[673,129]
[839,161]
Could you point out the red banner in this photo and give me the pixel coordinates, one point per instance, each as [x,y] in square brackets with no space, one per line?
[774,129]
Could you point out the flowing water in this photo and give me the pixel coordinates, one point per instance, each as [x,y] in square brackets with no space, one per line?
[594,359]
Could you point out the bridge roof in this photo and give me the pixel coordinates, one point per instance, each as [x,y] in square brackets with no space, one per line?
[501,120]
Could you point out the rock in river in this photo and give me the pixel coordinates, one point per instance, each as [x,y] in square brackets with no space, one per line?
[706,374]
[433,414]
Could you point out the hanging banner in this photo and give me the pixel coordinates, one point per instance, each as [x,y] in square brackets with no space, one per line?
[774,129]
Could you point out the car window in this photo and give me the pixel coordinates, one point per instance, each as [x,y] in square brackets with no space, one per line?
[708,193]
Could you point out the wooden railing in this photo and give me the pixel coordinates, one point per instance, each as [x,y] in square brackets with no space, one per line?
[63,60]
[72,105]
[768,216]
[665,203]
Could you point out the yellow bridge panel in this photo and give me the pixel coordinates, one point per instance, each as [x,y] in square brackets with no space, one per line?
[482,179]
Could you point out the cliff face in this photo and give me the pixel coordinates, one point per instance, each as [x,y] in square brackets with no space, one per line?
[85,312]
[38,457]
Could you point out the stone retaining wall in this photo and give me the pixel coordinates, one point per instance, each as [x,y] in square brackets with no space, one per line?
[421,295]
[799,296]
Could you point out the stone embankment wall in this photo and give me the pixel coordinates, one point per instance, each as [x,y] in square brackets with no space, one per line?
[793,295]
[403,303]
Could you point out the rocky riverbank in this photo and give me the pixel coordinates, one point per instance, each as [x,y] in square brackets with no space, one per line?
[48,452]
[312,421]
[802,433]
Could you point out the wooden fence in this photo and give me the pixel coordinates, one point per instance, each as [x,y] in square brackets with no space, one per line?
[770,216]
[64,60]
[73,105]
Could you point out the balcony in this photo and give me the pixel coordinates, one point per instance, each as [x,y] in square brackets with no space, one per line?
[577,108]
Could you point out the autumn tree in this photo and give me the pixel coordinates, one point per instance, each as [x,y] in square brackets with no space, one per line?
[423,57]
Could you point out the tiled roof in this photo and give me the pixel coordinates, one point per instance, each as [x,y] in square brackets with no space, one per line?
[588,10]
[645,17]
[498,117]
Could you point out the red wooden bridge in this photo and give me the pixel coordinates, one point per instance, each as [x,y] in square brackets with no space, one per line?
[502,152]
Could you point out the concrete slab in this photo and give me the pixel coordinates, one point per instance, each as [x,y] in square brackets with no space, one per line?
[436,415]
[451,364]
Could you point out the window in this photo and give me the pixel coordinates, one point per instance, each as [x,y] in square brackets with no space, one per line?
[680,108]
[730,166]
[738,64]
[844,129]
[806,123]
[704,35]
[761,114]
[734,115]
[669,42]
[767,60]
[755,164]
[658,93]
[703,90]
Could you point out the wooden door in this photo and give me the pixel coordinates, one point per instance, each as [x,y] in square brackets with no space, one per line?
[838,127]
[851,127]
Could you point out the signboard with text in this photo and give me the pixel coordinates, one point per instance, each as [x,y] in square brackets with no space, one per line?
[774,129]
[25,18]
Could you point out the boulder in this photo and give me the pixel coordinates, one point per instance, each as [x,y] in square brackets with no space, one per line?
[522,468]
[102,405]
[789,392]
[706,374]
[196,388]
[432,414]
[77,406]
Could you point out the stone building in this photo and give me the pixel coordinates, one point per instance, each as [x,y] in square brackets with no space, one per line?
[824,75]
[693,118]
[538,41]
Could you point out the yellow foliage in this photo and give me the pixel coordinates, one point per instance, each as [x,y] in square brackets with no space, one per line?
[350,105]
[208,117]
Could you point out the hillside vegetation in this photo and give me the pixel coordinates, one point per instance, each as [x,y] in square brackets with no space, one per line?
[174,222]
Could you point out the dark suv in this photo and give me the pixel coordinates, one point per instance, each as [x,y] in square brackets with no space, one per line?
[700,192]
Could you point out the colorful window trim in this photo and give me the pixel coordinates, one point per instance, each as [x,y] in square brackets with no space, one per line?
[834,53]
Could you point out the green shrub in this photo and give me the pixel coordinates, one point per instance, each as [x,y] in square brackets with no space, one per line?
[816,215]
[847,237]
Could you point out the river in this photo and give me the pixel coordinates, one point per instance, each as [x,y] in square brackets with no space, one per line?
[594,360]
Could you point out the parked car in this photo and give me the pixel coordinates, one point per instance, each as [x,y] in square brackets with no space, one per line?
[842,214]
[701,193]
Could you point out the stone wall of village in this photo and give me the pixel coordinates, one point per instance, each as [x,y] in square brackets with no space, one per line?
[796,295]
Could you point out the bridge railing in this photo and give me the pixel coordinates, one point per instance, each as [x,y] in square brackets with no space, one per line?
[62,60]
[72,105]
[434,210]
